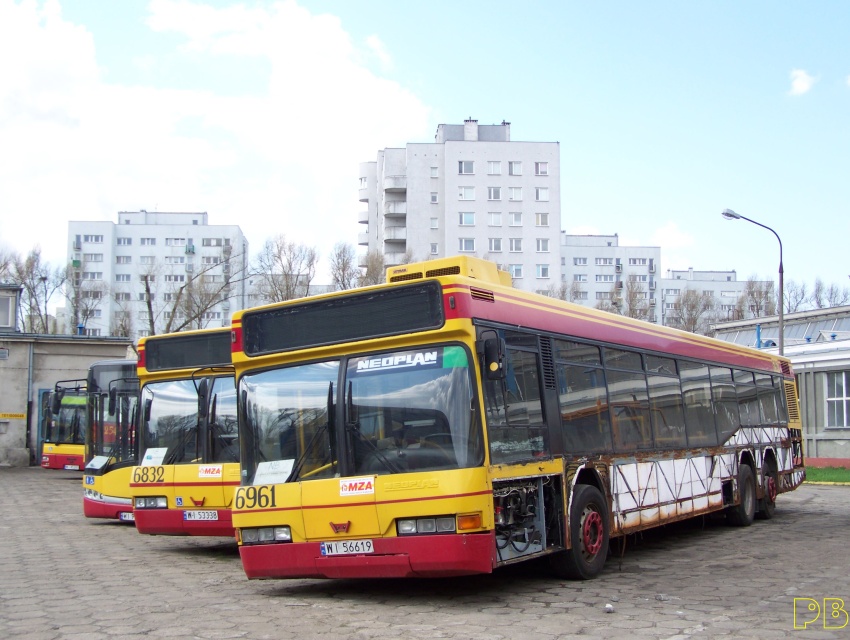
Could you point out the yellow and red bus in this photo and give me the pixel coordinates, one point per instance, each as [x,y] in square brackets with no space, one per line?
[111,447]
[65,426]
[446,423]
[188,436]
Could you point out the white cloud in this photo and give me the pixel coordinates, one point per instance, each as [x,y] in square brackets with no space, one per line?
[282,160]
[677,247]
[380,51]
[801,82]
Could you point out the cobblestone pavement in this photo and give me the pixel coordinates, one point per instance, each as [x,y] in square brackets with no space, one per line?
[62,576]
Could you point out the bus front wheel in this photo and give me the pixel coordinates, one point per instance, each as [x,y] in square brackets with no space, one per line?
[588,534]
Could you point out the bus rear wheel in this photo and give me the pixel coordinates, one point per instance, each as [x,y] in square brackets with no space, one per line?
[588,534]
[742,514]
[770,488]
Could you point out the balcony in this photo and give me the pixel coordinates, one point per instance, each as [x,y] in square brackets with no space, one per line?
[363,239]
[395,208]
[364,195]
[395,258]
[395,184]
[363,217]
[395,233]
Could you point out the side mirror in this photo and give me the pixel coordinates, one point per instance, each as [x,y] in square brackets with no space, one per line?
[494,358]
[56,402]
[203,397]
[113,400]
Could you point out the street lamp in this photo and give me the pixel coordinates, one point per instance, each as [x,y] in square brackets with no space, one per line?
[44,282]
[731,215]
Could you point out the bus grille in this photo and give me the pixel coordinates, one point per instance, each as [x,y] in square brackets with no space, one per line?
[791,401]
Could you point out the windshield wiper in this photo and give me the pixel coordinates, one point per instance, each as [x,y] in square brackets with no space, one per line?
[352,425]
[296,470]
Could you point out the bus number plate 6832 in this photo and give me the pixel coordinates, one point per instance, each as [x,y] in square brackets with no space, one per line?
[347,547]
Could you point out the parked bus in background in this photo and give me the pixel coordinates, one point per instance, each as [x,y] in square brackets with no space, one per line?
[447,424]
[65,426]
[111,448]
[189,467]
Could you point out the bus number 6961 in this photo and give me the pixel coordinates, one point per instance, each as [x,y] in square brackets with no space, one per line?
[260,497]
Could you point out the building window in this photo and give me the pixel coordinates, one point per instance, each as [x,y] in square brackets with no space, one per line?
[541,219]
[495,245]
[580,277]
[634,262]
[92,275]
[433,197]
[541,168]
[175,242]
[214,242]
[92,295]
[122,277]
[168,297]
[148,242]
[175,278]
[92,332]
[494,219]
[212,278]
[604,278]
[494,193]
[579,295]
[465,167]
[144,333]
[542,245]
[98,239]
[122,296]
[466,245]
[542,270]
[208,260]
[515,270]
[637,278]
[144,296]
[515,219]
[97,313]
[494,168]
[175,259]
[514,194]
[541,194]
[435,172]
[515,168]
[515,245]
[435,223]
[466,218]
[603,295]
[466,193]
[93,257]
[728,294]
[434,249]
[579,262]
[124,242]
[362,182]
[671,292]
[123,259]
[601,262]
[147,278]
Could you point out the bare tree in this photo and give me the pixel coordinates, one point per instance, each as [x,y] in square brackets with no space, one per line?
[375,270]
[576,293]
[837,296]
[84,290]
[39,283]
[694,311]
[796,296]
[284,270]
[559,291]
[7,259]
[344,271]
[758,298]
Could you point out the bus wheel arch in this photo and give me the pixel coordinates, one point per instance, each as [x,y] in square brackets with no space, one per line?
[769,486]
[589,530]
[743,512]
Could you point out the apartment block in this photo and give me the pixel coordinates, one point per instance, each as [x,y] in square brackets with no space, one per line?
[473,191]
[153,265]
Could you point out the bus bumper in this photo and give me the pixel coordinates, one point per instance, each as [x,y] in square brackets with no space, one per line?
[108,510]
[401,557]
[61,461]
[170,522]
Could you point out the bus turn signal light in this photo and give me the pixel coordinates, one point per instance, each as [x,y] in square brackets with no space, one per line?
[469,521]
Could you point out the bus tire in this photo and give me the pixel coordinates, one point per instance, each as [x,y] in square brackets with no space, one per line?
[588,534]
[770,488]
[742,514]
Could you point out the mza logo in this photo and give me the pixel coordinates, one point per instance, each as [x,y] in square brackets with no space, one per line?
[356,486]
[807,611]
[209,471]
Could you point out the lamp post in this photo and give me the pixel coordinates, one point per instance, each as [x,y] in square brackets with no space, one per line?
[44,282]
[731,215]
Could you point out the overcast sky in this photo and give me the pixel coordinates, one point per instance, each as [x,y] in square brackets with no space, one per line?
[259,113]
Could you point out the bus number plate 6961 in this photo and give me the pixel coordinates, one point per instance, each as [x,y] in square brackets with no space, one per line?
[347,547]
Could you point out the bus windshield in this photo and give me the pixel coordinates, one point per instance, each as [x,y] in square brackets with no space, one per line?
[400,412]
[171,421]
[67,426]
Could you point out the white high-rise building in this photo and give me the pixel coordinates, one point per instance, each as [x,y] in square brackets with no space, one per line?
[173,259]
[472,191]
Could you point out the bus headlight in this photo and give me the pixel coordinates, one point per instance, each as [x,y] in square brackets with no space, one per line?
[266,535]
[441,524]
[151,502]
